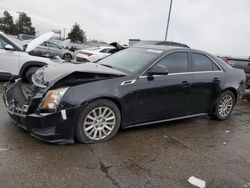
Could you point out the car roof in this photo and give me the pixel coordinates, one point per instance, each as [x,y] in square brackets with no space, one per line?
[170,48]
[161,43]
[158,47]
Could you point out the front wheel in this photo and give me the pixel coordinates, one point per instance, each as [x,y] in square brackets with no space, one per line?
[98,122]
[29,72]
[224,105]
[67,57]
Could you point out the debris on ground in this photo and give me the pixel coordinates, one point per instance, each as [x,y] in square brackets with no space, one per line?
[224,143]
[197,182]
[4,149]
[227,131]
[165,136]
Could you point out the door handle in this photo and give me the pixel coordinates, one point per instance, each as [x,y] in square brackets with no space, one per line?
[216,80]
[185,84]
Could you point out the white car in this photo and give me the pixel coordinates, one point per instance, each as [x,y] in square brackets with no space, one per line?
[93,54]
[16,62]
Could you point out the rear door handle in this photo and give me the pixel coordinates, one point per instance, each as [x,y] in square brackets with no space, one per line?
[185,84]
[216,80]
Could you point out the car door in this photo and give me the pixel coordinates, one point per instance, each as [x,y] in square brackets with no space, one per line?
[43,48]
[53,48]
[207,77]
[165,96]
[9,59]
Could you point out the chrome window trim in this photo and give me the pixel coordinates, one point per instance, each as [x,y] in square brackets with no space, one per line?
[181,73]
[181,51]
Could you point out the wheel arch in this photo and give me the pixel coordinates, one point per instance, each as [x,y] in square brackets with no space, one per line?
[233,90]
[68,54]
[29,64]
[113,99]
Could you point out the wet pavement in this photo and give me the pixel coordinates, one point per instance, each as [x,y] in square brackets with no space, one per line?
[159,155]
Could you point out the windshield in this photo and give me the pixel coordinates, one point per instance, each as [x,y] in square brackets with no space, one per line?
[131,60]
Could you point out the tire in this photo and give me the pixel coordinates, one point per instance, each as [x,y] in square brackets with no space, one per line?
[67,57]
[29,72]
[91,127]
[224,105]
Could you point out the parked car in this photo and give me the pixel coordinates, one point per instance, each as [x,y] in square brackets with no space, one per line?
[15,61]
[93,53]
[240,63]
[136,86]
[161,43]
[48,47]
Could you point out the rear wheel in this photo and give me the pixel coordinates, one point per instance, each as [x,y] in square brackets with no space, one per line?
[98,122]
[29,72]
[224,105]
[67,57]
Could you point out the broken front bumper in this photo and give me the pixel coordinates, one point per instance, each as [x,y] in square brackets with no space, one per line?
[58,127]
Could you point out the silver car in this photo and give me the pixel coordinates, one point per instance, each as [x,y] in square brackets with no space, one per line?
[52,48]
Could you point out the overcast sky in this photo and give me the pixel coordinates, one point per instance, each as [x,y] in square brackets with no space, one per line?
[218,26]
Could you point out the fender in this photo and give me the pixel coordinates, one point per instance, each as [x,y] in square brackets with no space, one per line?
[30,64]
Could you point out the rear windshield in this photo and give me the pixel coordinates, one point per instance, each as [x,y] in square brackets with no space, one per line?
[131,60]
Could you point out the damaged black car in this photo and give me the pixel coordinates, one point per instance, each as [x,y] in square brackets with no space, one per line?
[136,86]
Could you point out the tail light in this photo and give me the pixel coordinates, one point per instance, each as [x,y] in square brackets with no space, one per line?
[85,53]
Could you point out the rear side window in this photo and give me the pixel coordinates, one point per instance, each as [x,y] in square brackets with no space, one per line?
[175,62]
[201,62]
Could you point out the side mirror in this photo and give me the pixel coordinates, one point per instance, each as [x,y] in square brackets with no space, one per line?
[9,47]
[158,70]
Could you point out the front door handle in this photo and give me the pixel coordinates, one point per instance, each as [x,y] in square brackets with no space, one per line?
[216,80]
[185,84]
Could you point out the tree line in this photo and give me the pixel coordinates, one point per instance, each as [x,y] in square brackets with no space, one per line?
[23,25]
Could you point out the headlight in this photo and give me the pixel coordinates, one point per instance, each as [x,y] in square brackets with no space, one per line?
[38,78]
[53,99]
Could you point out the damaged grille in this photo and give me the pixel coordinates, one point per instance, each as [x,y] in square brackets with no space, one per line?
[18,97]
[12,108]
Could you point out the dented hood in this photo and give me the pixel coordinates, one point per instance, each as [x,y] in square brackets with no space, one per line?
[55,72]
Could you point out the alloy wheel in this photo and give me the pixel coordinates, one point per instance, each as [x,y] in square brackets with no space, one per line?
[67,57]
[99,123]
[225,105]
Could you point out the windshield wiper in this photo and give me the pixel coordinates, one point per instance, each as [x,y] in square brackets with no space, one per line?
[107,66]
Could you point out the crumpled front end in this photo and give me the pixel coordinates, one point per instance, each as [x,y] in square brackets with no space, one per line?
[23,105]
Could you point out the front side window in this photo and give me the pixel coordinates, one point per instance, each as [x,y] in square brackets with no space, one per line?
[175,62]
[43,44]
[52,45]
[201,62]
[3,43]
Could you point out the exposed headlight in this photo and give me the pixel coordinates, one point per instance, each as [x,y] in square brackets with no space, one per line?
[53,99]
[38,78]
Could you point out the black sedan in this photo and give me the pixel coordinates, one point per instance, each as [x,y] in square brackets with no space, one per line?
[137,86]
